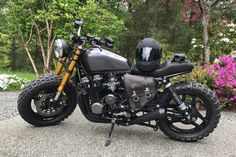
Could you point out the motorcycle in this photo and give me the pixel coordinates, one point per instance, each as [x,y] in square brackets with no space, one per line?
[108,89]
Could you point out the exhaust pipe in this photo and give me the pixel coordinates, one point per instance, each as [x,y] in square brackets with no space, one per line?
[154,115]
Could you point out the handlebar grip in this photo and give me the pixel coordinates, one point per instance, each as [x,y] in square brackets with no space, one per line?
[90,37]
[109,43]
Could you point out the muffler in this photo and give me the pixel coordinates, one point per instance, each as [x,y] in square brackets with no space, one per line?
[157,114]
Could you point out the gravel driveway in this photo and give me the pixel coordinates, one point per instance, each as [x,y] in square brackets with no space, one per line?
[79,137]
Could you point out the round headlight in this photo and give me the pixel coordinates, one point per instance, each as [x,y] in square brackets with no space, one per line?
[61,48]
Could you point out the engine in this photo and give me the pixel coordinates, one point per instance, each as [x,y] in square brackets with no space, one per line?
[110,99]
[106,93]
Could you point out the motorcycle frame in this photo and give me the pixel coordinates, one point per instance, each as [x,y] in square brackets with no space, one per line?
[82,99]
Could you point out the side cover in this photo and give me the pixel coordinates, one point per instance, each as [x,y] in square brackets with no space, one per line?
[101,60]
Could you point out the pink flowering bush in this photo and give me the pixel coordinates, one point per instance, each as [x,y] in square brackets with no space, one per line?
[224,75]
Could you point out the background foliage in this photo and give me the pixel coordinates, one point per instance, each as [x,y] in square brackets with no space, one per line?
[173,23]
[176,24]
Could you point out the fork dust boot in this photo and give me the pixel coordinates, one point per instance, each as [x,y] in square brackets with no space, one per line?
[108,141]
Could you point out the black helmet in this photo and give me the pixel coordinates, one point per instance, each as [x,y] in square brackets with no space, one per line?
[148,55]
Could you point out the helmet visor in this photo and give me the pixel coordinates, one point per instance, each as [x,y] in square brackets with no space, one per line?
[148,54]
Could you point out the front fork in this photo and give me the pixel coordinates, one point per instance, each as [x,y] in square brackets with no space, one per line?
[67,74]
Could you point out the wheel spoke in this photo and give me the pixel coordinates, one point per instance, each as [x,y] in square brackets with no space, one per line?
[200,115]
[183,97]
[196,125]
[193,103]
[204,120]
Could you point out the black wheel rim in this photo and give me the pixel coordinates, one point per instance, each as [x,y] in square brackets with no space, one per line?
[50,92]
[198,110]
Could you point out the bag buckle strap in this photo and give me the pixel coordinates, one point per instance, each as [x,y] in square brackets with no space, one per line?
[135,97]
[147,93]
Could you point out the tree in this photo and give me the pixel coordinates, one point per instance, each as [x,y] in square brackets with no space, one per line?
[21,24]
[55,18]
[159,20]
[206,9]
[4,37]
[45,20]
[194,8]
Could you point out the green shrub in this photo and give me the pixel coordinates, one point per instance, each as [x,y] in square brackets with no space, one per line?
[199,74]
[11,82]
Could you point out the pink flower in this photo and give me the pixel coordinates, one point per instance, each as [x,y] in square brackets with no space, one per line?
[224,77]
[209,71]
[215,65]
[205,66]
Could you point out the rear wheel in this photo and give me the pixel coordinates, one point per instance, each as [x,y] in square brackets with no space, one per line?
[36,103]
[204,113]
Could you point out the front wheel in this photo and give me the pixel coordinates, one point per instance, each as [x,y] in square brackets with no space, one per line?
[36,103]
[204,113]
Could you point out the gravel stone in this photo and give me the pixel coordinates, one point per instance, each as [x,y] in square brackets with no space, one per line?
[8,105]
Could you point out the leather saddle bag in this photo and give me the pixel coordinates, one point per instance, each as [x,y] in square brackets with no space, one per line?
[140,90]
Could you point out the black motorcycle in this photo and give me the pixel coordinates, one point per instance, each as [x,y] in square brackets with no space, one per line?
[108,89]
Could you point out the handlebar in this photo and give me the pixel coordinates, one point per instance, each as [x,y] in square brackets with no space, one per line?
[78,24]
[95,41]
[100,41]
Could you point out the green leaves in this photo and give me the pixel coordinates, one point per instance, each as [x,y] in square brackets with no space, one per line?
[52,17]
[98,20]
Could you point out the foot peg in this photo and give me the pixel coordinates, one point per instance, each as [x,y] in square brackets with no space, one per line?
[108,141]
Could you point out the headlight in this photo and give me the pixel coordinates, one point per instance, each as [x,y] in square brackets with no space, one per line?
[61,48]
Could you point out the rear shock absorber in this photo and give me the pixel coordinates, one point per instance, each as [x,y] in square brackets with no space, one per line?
[181,105]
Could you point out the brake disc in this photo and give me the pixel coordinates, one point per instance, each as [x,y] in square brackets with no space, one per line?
[45,111]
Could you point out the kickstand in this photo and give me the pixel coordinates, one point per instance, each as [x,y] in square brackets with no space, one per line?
[108,141]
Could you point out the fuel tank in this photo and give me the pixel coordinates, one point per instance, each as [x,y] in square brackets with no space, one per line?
[101,60]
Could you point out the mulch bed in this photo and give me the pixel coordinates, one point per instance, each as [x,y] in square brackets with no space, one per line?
[231,108]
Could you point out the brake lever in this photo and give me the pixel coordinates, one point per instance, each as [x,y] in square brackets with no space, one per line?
[95,43]
[97,46]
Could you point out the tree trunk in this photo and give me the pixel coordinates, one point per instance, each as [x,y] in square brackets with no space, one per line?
[13,54]
[41,44]
[49,54]
[26,44]
[50,41]
[205,22]
[46,51]
[31,60]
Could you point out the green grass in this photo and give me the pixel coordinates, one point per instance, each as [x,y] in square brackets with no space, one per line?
[29,76]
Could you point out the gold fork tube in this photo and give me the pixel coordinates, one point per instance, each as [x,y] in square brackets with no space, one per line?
[59,67]
[68,72]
